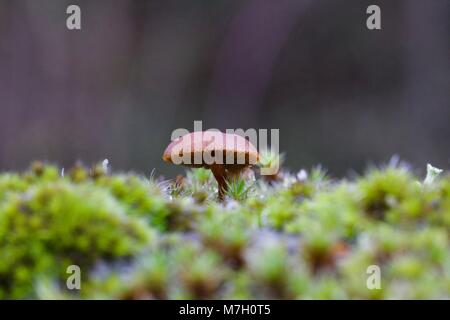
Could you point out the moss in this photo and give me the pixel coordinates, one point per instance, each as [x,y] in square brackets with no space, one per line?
[227,238]
[389,193]
[140,197]
[54,225]
[270,271]
[291,236]
[11,183]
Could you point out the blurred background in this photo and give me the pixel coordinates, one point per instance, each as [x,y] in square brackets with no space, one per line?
[341,95]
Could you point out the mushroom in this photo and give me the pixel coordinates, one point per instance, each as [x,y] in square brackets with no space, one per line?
[227,155]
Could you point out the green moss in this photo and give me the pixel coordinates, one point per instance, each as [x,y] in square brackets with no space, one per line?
[11,183]
[282,237]
[54,225]
[141,197]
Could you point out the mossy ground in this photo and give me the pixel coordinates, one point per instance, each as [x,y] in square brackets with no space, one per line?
[290,236]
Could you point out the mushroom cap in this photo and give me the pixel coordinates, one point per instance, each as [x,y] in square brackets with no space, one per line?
[206,148]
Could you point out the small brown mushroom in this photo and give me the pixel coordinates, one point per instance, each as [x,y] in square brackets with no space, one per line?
[226,155]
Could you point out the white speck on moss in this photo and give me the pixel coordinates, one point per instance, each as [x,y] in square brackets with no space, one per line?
[302,175]
[432,174]
[105,165]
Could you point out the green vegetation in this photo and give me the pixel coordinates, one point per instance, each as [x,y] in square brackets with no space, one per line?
[290,236]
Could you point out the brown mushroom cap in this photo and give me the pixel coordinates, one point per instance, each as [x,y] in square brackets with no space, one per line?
[232,150]
[226,154]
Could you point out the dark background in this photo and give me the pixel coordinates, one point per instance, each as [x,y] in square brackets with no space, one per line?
[341,95]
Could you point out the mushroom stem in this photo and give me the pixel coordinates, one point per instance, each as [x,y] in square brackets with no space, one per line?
[220,175]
